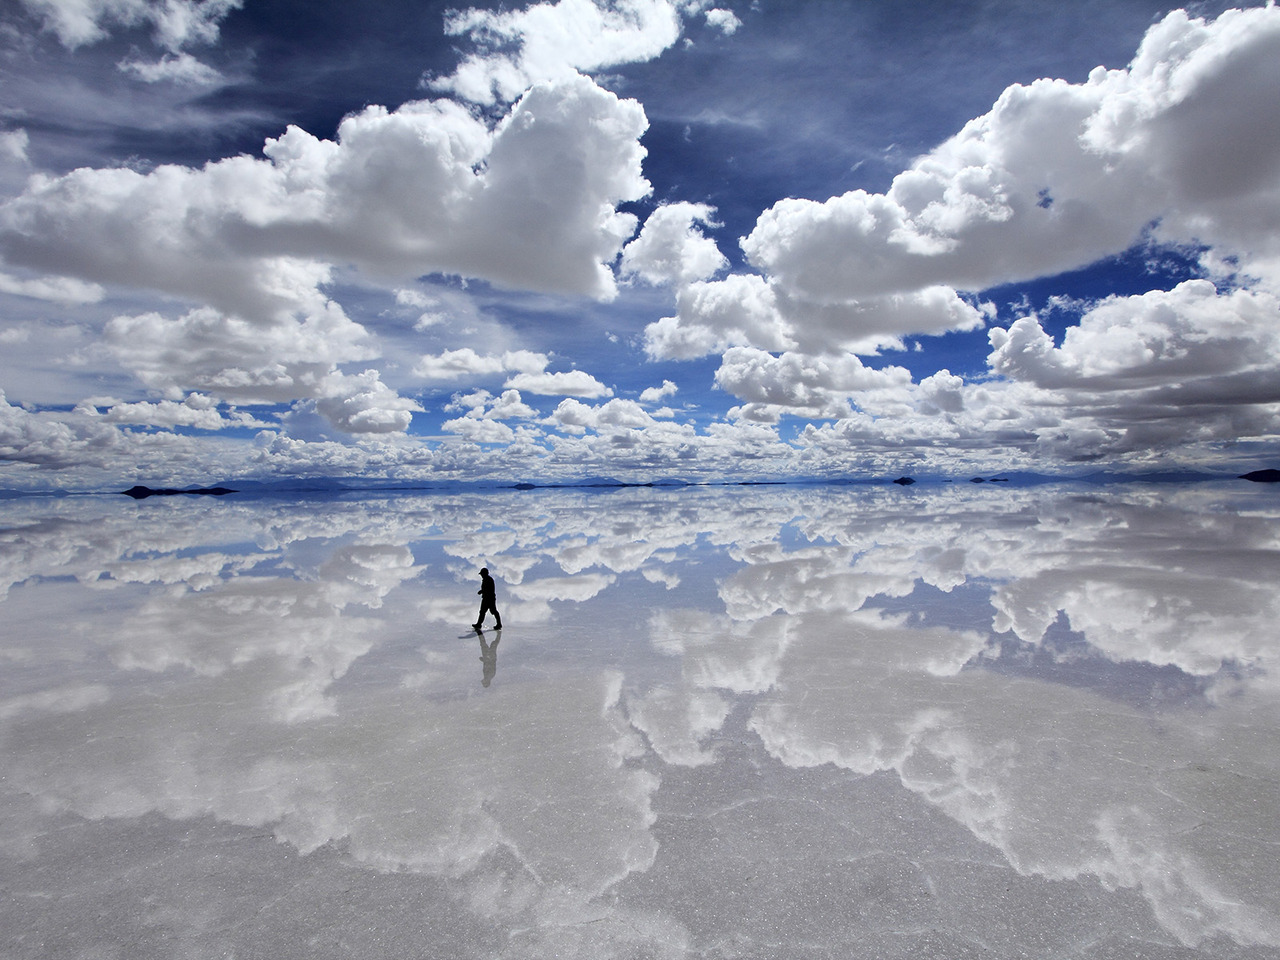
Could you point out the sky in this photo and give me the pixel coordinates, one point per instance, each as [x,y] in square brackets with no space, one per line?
[642,239]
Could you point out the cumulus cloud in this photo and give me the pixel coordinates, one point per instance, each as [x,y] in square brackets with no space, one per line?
[1058,175]
[249,256]
[1175,343]
[672,249]
[285,361]
[196,410]
[1055,176]
[726,21]
[749,310]
[482,405]
[549,41]
[233,358]
[530,373]
[572,383]
[364,404]
[816,387]
[577,417]
[37,440]
[657,394]
[739,310]
[466,362]
[529,202]
[1187,366]
[433,308]
[83,447]
[480,430]
[428,188]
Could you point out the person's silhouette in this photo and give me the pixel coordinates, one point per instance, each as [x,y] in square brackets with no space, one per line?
[488,659]
[487,600]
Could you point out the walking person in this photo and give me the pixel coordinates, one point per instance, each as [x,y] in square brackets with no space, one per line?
[487,600]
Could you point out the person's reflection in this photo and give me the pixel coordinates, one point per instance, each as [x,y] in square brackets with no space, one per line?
[489,658]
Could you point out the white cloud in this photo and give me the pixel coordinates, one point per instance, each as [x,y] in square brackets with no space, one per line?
[748,310]
[739,310]
[463,362]
[482,405]
[30,438]
[466,362]
[655,394]
[63,290]
[1057,175]
[235,359]
[285,361]
[433,307]
[572,383]
[176,23]
[180,68]
[81,449]
[415,298]
[575,416]
[723,20]
[1183,341]
[249,256]
[428,188]
[671,249]
[364,404]
[802,385]
[196,410]
[13,145]
[549,41]
[479,430]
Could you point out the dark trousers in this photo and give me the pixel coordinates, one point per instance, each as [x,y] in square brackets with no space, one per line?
[485,607]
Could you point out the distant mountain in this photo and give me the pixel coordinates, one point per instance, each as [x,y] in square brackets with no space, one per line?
[601,483]
[325,487]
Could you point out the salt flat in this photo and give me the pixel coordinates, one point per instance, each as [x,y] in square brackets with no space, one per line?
[941,721]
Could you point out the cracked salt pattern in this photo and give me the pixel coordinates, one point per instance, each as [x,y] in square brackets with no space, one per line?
[720,722]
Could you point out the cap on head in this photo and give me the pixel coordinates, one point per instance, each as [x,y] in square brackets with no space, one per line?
[484,570]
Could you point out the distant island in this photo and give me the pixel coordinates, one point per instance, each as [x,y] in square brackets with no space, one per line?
[1262,476]
[141,492]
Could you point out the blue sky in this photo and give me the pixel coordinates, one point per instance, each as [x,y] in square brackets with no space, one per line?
[651,238]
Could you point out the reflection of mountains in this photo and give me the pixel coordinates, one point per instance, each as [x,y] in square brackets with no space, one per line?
[242,656]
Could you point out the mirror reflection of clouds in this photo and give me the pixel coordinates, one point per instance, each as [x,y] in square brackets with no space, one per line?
[305,668]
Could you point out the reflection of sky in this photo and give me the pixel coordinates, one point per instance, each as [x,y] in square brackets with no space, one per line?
[718,719]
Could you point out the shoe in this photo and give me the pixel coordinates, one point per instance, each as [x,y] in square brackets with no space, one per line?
[475,626]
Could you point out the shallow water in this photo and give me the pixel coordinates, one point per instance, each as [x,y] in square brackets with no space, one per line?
[944,721]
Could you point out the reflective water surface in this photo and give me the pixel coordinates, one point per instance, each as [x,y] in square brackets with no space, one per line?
[957,721]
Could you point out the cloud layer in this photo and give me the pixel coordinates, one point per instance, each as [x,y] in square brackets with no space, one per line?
[340,292]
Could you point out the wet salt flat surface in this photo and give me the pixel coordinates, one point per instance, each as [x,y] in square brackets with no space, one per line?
[950,721]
